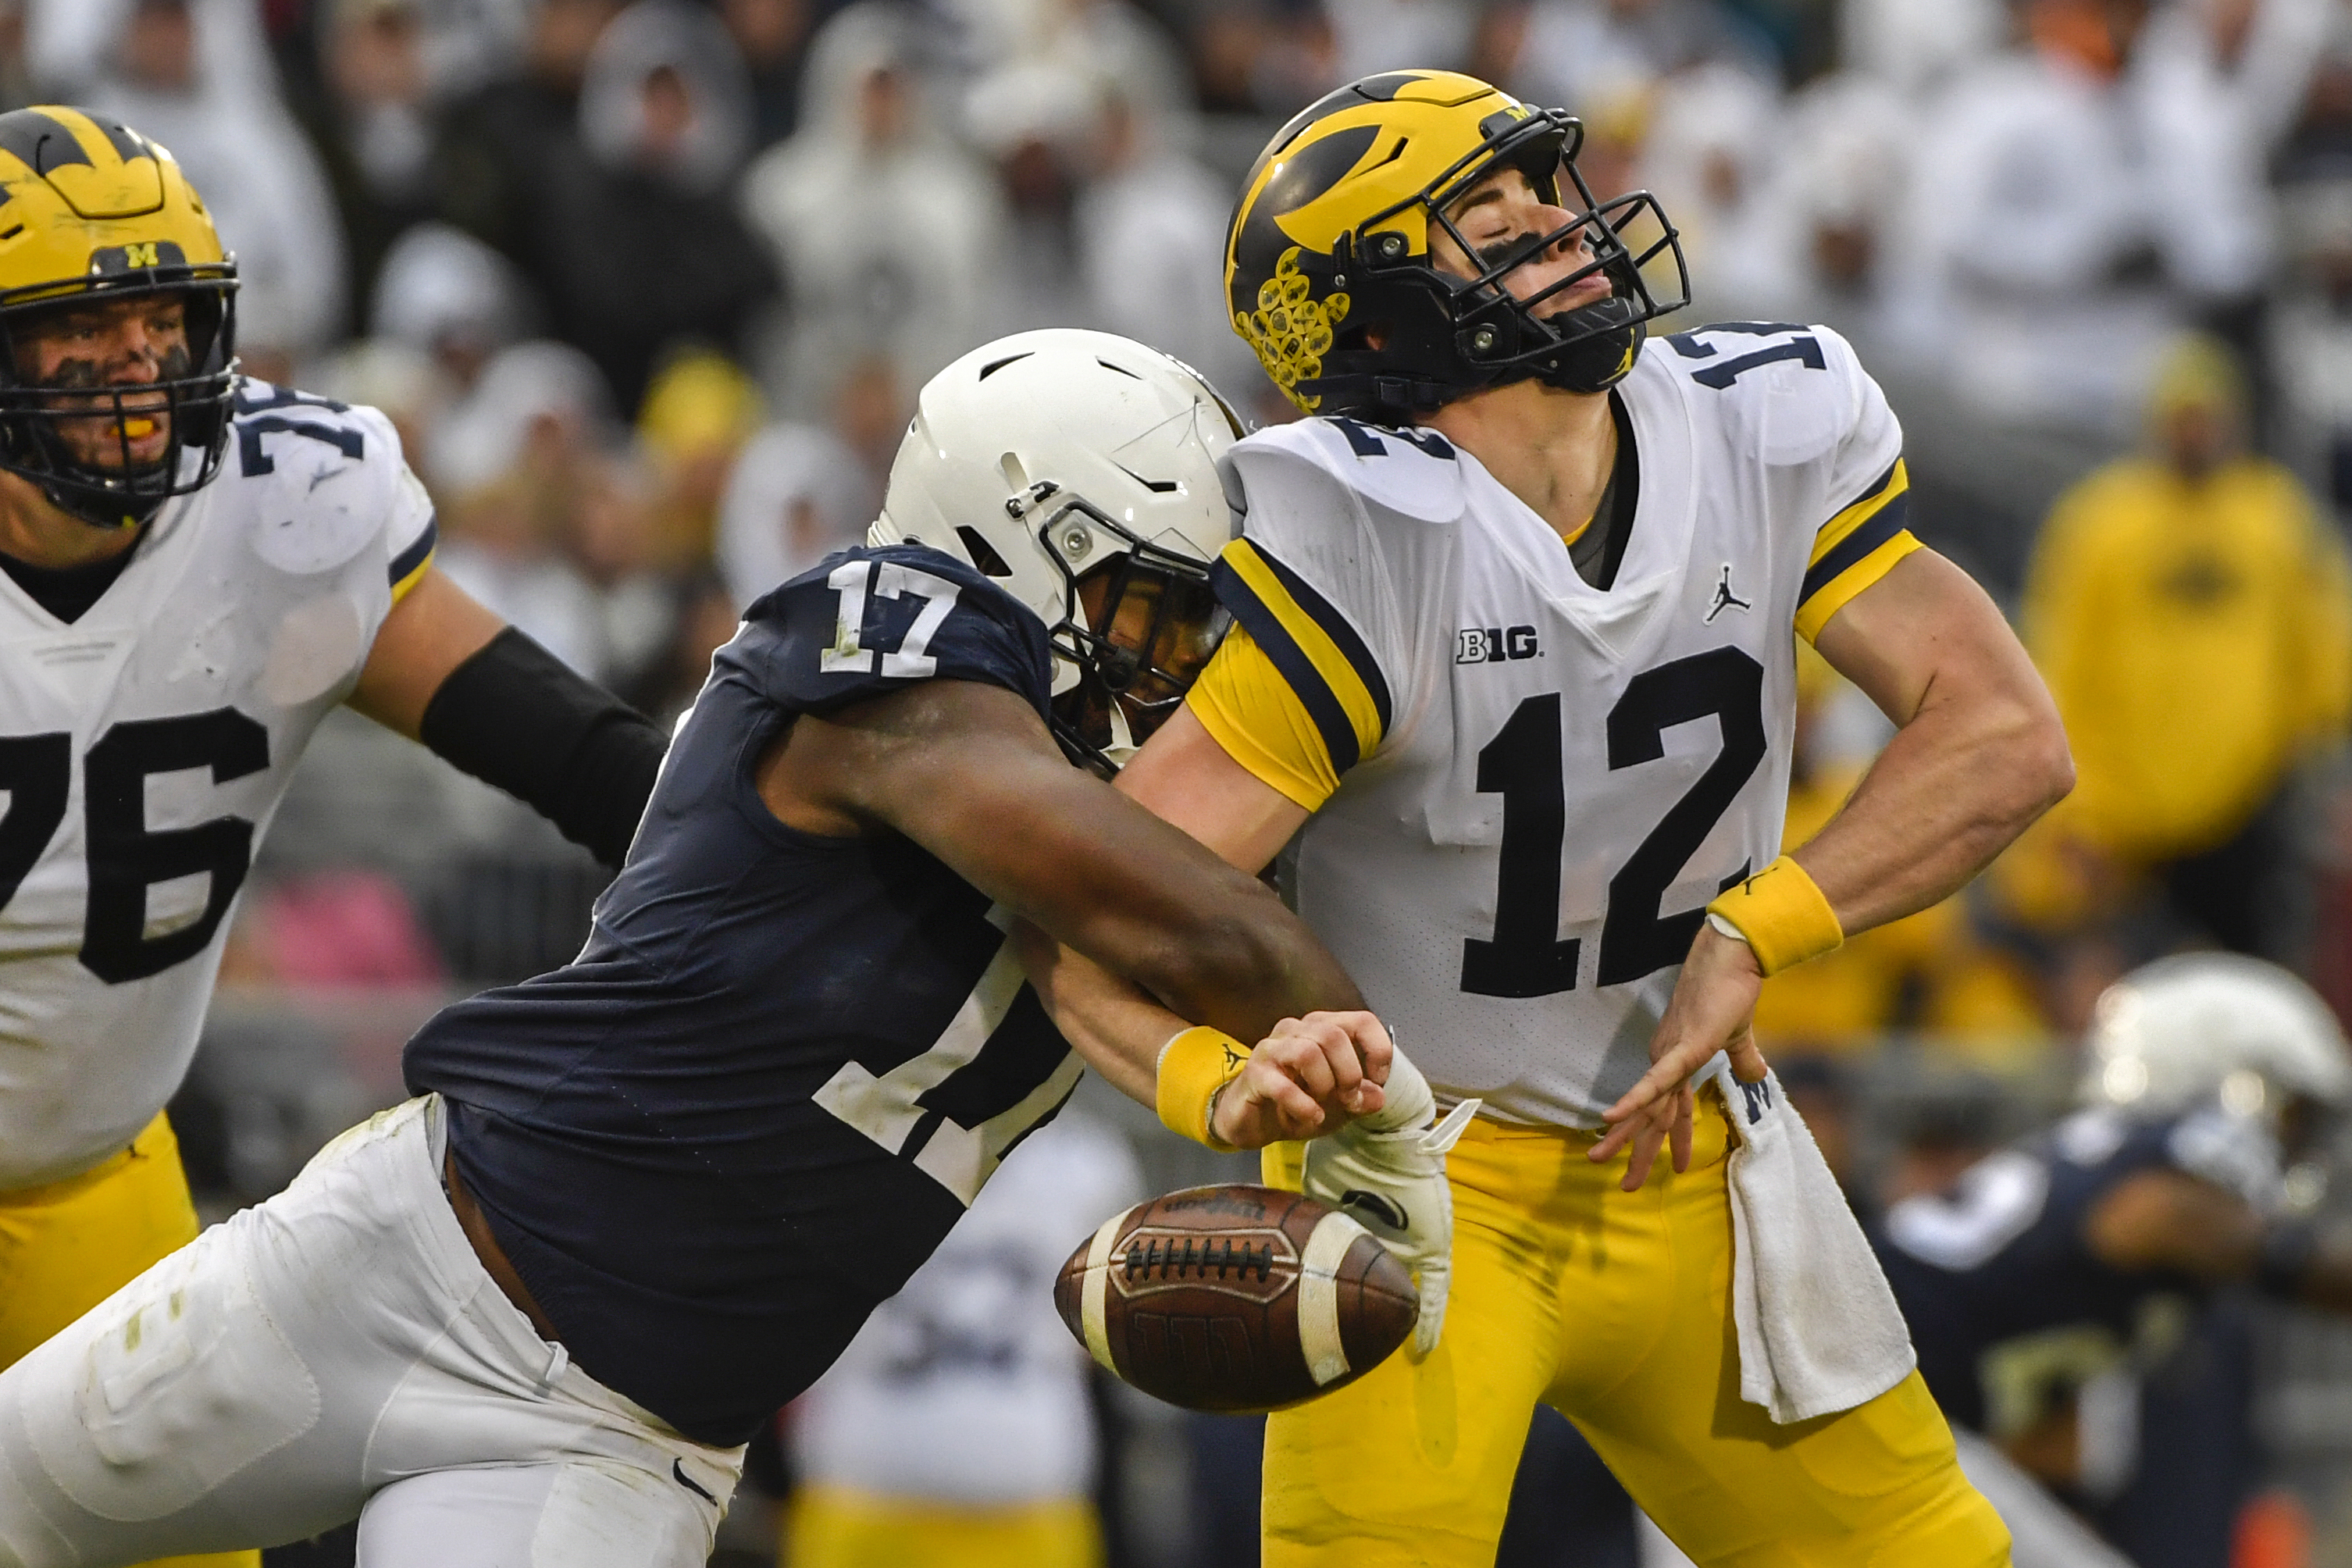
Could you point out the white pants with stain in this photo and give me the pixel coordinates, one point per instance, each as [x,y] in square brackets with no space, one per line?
[340,1352]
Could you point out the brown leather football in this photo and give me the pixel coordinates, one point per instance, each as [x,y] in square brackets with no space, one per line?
[1236,1297]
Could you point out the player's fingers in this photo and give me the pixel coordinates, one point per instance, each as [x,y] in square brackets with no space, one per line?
[1664,1075]
[1372,1043]
[1645,1153]
[1747,1059]
[1679,1140]
[1300,1058]
[1274,1095]
[1635,1124]
[1331,1035]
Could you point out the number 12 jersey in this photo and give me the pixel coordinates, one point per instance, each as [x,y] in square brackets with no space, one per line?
[1527,788]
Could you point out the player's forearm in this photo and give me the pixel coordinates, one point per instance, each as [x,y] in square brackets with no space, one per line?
[1113,1024]
[1955,787]
[1978,753]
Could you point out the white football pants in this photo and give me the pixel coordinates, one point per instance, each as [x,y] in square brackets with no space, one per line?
[340,1352]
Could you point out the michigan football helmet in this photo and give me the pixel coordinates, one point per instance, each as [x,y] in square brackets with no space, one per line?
[1079,470]
[2214,1024]
[91,212]
[1329,272]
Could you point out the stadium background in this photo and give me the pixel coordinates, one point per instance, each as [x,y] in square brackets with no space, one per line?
[648,288]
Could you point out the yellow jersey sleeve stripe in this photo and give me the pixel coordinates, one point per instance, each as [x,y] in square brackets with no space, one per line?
[408,566]
[1250,709]
[1890,492]
[1815,612]
[1310,643]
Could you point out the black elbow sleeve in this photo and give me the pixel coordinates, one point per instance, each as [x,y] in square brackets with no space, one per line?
[515,716]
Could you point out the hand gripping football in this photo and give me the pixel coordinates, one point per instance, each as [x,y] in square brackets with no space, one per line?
[1236,1297]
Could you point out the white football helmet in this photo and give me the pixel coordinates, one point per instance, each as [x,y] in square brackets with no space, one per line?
[1079,470]
[2208,1024]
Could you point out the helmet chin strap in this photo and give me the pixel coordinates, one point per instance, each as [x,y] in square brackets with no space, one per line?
[1123,745]
[121,513]
[1597,362]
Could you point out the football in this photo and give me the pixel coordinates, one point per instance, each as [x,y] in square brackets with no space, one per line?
[1236,1297]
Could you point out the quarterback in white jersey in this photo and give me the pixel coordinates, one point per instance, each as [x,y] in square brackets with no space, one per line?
[194,569]
[1513,663]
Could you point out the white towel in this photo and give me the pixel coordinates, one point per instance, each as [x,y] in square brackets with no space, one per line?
[1819,1329]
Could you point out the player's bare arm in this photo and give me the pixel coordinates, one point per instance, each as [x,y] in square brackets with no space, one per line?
[1296,1079]
[971,774]
[1978,754]
[435,627]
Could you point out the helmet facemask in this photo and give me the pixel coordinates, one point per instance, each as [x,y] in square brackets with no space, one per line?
[1468,334]
[1139,629]
[73,434]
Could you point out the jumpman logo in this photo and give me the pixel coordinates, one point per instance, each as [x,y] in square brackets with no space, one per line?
[1725,599]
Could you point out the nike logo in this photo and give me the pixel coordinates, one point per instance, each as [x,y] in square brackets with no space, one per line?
[678,1473]
[1379,1207]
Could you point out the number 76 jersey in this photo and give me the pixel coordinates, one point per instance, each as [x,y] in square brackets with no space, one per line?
[1526,788]
[144,746]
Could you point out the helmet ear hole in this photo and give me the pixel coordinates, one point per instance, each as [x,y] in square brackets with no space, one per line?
[984,554]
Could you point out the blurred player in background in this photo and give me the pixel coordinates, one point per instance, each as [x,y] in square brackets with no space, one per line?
[958,1429]
[639,1203]
[2059,1277]
[1514,649]
[198,568]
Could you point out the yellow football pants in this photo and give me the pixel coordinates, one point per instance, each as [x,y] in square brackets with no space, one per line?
[68,1246]
[1615,1308]
[832,1527]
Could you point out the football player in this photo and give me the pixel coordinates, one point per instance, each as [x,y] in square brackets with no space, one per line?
[196,568]
[2055,1271]
[531,1315]
[1514,661]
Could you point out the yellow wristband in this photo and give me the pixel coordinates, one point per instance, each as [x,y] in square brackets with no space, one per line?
[1194,1067]
[1782,915]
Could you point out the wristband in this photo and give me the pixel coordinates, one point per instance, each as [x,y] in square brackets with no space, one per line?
[1194,1067]
[1781,915]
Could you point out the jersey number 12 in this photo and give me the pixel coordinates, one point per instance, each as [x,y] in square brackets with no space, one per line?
[1522,763]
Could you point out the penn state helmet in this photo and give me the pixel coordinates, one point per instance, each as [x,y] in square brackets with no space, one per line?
[1078,469]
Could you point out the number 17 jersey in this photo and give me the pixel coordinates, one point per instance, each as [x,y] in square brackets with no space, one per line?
[1527,788]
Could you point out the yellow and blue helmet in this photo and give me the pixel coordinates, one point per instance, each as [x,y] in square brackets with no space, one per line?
[90,210]
[1329,274]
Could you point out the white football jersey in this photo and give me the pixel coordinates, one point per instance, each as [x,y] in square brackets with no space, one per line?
[144,747]
[1542,784]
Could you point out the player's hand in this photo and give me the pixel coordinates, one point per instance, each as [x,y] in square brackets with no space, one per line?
[1310,1075]
[1387,1170]
[1713,1009]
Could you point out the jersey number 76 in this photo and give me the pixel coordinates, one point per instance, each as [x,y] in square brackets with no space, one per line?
[127,857]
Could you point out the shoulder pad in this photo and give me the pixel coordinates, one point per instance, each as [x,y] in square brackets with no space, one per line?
[880,618]
[316,479]
[1782,388]
[1413,471]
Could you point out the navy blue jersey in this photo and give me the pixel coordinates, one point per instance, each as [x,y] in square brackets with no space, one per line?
[1995,1278]
[783,1064]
